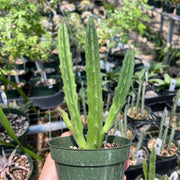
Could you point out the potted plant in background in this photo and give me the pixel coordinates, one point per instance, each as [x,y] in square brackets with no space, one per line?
[15,165]
[16,157]
[138,111]
[149,172]
[21,33]
[70,162]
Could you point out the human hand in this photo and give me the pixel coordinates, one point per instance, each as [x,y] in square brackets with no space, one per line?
[127,165]
[49,169]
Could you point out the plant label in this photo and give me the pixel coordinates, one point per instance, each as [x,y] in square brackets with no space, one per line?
[107,67]
[50,86]
[129,99]
[174,176]
[106,114]
[117,133]
[172,85]
[102,64]
[4,97]
[37,66]
[17,78]
[158,146]
[139,157]
[79,74]
[178,102]
[44,75]
[146,75]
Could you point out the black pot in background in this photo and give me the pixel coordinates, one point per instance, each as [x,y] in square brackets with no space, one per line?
[157,3]
[22,137]
[44,90]
[178,9]
[150,2]
[168,7]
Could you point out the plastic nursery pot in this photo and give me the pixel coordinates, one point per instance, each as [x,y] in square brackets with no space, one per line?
[50,69]
[20,63]
[152,142]
[12,93]
[178,9]
[22,134]
[18,152]
[131,118]
[41,89]
[22,74]
[92,164]
[134,170]
[150,2]
[164,163]
[130,133]
[168,7]
[157,4]
[141,177]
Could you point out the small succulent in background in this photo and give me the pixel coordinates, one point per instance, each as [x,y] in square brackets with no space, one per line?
[8,164]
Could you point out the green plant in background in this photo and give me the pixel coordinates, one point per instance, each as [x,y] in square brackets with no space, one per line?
[175,103]
[149,173]
[165,83]
[96,130]
[157,67]
[121,124]
[21,33]
[163,136]
[77,29]
[139,106]
[121,21]
[8,162]
[83,100]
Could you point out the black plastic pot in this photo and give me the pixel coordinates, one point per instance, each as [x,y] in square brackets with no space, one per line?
[9,151]
[178,9]
[146,108]
[22,137]
[150,2]
[44,90]
[166,163]
[142,176]
[168,7]
[89,164]
[13,93]
[134,170]
[157,4]
[50,69]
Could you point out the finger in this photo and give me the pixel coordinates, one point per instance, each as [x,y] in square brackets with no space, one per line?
[68,133]
[124,177]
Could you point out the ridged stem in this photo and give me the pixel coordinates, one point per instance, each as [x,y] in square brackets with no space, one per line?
[94,89]
[121,92]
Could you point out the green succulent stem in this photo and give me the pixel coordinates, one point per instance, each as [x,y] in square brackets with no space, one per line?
[71,97]
[94,89]
[96,131]
[175,105]
[138,97]
[132,103]
[152,160]
[142,99]
[125,120]
[171,137]
[164,137]
[121,91]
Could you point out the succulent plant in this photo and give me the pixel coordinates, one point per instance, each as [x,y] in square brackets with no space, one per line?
[96,130]
[7,163]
